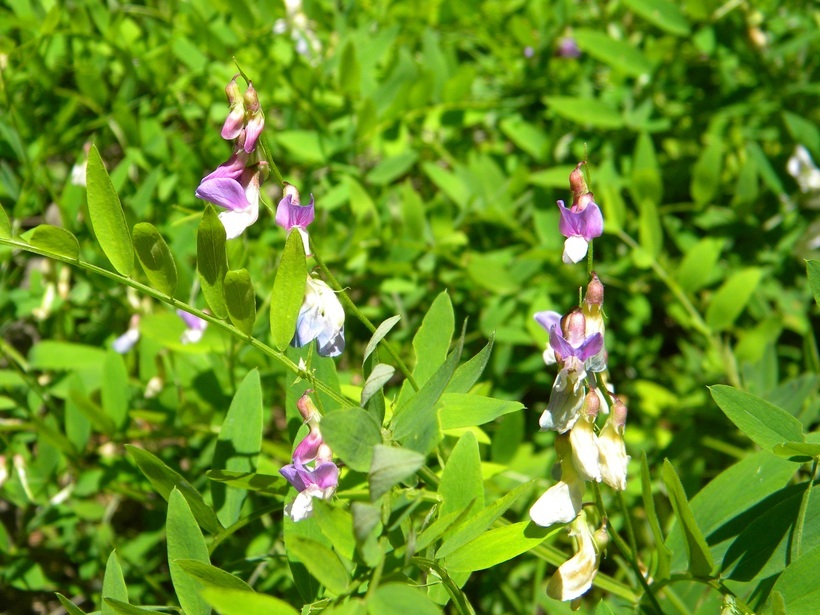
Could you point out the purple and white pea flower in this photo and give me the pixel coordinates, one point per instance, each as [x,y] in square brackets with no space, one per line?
[291,214]
[238,195]
[321,318]
[195,327]
[580,224]
[129,339]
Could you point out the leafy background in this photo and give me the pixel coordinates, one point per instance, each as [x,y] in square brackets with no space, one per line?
[436,138]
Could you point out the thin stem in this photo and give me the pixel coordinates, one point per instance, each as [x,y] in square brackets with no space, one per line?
[797,543]
[351,307]
[210,318]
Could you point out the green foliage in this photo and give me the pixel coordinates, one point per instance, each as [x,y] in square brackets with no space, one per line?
[436,139]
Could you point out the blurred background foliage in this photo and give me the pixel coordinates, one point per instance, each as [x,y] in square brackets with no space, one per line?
[436,138]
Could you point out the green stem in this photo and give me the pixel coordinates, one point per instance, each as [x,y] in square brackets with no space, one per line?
[797,542]
[697,320]
[351,307]
[175,303]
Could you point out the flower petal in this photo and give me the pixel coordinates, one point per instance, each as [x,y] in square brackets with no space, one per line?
[575,249]
[235,222]
[224,192]
[561,503]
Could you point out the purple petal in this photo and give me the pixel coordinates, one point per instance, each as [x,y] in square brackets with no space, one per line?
[191,321]
[590,346]
[308,448]
[590,222]
[295,476]
[252,132]
[224,192]
[560,345]
[326,475]
[233,123]
[567,225]
[232,168]
[547,319]
[290,215]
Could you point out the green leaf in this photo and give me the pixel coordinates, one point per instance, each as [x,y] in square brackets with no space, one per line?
[350,74]
[528,137]
[321,562]
[798,583]
[378,377]
[461,481]
[797,451]
[54,239]
[306,145]
[731,298]
[238,446]
[662,13]
[115,393]
[352,433]
[5,232]
[766,425]
[664,554]
[337,525]
[463,410]
[268,484]
[240,300]
[212,260]
[390,169]
[443,524]
[70,607]
[382,330]
[288,291]
[391,465]
[113,584]
[165,480]
[697,551]
[620,55]
[211,576]
[585,111]
[155,257]
[185,541]
[50,354]
[699,263]
[706,172]
[813,271]
[497,546]
[478,522]
[123,608]
[448,182]
[432,340]
[468,374]
[107,217]
[400,599]
[237,602]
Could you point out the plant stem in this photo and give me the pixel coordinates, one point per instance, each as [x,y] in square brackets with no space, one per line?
[351,307]
[797,540]
[276,355]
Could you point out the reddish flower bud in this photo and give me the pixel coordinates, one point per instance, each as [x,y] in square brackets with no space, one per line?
[595,291]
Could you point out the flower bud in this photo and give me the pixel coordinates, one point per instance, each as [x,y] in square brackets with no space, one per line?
[307,409]
[235,121]
[256,119]
[619,413]
[595,292]
[573,326]
[577,183]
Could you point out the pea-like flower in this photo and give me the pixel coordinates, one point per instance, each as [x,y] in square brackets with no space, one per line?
[195,327]
[580,224]
[321,318]
[561,503]
[240,197]
[574,577]
[129,339]
[611,448]
[291,214]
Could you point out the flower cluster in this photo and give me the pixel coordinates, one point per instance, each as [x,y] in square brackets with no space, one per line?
[577,346]
[312,473]
[235,184]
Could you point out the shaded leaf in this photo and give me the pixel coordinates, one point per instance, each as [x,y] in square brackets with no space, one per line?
[700,559]
[212,260]
[185,541]
[240,300]
[391,465]
[321,562]
[352,433]
[107,217]
[155,257]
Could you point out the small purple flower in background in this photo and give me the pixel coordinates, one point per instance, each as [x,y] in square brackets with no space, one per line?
[312,472]
[195,327]
[568,48]
[580,223]
[128,340]
[291,214]
[321,318]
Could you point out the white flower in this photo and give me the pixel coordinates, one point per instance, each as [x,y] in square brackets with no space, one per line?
[585,449]
[321,318]
[802,168]
[574,577]
[562,502]
[613,459]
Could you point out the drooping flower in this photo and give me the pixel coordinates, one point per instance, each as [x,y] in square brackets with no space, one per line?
[585,455]
[195,327]
[574,577]
[239,197]
[291,214]
[128,340]
[312,472]
[612,450]
[561,503]
[580,223]
[321,318]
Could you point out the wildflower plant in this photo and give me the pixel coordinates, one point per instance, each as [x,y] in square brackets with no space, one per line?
[326,344]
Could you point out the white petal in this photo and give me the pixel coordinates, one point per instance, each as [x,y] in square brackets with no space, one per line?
[574,577]
[191,336]
[575,249]
[585,450]
[561,503]
[126,341]
[564,405]
[613,459]
[235,222]
[301,508]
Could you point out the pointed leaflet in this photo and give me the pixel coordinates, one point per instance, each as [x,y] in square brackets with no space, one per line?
[115,393]
[211,576]
[212,260]
[321,562]
[288,292]
[185,541]
[70,607]
[664,554]
[5,226]
[113,584]
[731,298]
[155,257]
[107,217]
[54,239]
[240,299]
[164,480]
[391,465]
[382,330]
[461,481]
[380,375]
[351,434]
[813,270]
[700,558]
[468,374]
[433,338]
[118,607]
[463,410]
[765,424]
[498,545]
[238,446]
[398,599]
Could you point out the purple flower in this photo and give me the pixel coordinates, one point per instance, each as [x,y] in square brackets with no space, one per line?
[291,214]
[579,224]
[321,318]
[568,48]
[195,327]
[588,347]
[239,197]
